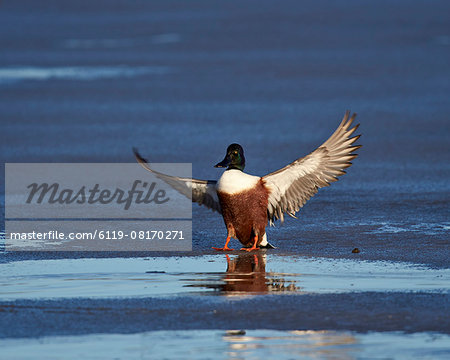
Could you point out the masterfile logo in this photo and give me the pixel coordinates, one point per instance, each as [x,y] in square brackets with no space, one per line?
[78,191]
[95,207]
[54,194]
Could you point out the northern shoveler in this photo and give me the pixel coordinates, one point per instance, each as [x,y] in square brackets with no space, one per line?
[248,203]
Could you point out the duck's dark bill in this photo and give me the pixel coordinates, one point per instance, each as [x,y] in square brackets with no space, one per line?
[224,163]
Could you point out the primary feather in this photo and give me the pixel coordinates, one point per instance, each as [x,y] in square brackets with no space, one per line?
[202,192]
[291,186]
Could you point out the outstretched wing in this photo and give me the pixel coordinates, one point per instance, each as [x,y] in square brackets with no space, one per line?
[297,182]
[202,192]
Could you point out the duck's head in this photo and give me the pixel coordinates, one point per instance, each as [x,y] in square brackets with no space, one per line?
[234,159]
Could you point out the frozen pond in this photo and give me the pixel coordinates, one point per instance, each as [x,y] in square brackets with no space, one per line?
[87,81]
[243,274]
[219,344]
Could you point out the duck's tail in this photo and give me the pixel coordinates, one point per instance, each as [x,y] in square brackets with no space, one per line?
[265,244]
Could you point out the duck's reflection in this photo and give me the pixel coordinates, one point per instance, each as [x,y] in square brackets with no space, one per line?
[246,273]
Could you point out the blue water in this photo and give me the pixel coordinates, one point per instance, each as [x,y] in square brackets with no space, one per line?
[212,275]
[220,344]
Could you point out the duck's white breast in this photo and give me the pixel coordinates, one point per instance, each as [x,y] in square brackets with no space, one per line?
[235,181]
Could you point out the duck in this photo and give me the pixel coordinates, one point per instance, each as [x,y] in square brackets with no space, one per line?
[249,203]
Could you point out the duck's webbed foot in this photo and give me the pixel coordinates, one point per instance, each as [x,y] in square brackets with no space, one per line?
[225,248]
[250,249]
[255,241]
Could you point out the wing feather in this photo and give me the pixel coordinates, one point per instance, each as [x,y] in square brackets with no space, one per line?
[202,192]
[292,186]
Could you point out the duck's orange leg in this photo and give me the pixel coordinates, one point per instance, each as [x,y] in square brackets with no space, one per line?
[254,245]
[225,248]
